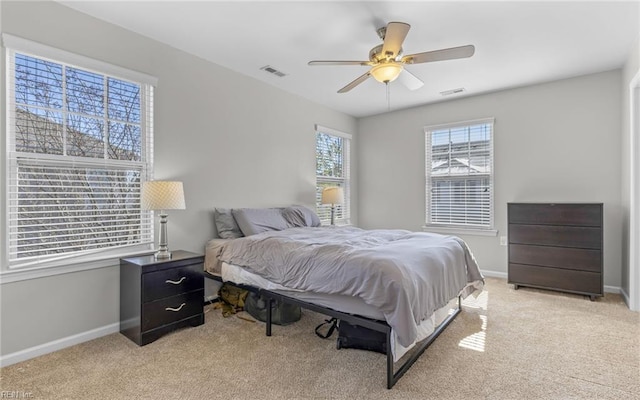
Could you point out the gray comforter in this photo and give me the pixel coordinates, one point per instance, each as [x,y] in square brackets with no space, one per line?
[406,275]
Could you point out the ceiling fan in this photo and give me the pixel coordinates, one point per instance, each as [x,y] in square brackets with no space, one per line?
[387,62]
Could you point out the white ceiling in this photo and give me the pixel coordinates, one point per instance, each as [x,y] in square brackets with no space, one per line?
[517,43]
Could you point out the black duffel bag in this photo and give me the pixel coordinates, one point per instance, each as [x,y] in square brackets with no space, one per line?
[359,337]
[353,336]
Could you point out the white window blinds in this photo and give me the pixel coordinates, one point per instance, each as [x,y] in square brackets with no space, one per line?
[459,174]
[333,169]
[79,149]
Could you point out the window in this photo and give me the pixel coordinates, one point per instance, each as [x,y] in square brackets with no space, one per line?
[332,169]
[459,175]
[79,147]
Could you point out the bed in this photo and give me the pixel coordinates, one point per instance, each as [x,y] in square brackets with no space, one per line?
[405,284]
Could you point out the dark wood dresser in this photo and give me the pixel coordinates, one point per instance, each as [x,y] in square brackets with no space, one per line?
[158,296]
[556,246]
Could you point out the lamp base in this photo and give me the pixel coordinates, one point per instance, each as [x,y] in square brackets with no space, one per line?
[162,254]
[163,247]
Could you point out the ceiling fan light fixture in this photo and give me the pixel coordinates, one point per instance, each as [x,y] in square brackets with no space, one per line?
[386,72]
[387,62]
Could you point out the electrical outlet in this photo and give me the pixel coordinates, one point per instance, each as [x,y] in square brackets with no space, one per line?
[503,240]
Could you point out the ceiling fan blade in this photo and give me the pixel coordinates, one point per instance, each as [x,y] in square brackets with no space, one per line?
[394,37]
[440,55]
[409,80]
[355,83]
[339,62]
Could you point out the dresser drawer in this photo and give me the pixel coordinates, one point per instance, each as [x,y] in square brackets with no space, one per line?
[556,214]
[559,257]
[171,282]
[556,278]
[549,235]
[171,309]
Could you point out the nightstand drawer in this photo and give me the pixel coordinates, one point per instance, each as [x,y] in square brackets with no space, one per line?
[171,282]
[171,309]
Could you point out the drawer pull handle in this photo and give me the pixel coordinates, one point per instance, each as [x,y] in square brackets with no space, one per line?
[176,282]
[176,309]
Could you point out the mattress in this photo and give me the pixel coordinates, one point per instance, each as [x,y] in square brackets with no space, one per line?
[346,304]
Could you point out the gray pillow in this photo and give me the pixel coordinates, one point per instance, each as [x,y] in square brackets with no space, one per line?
[257,220]
[300,216]
[226,224]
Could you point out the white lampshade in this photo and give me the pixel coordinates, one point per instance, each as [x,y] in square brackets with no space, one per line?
[162,195]
[386,72]
[333,195]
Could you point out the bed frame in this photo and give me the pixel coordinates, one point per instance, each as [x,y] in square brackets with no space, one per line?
[381,326]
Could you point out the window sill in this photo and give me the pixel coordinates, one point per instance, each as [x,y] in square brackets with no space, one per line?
[27,273]
[460,230]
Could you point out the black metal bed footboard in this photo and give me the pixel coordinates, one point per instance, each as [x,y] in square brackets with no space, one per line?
[381,326]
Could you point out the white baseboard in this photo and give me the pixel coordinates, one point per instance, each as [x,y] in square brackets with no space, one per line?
[625,297]
[58,344]
[612,289]
[494,274]
[210,298]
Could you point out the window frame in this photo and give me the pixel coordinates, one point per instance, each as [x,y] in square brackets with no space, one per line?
[344,181]
[53,264]
[487,230]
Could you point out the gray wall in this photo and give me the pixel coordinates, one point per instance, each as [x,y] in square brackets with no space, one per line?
[631,68]
[232,140]
[554,142]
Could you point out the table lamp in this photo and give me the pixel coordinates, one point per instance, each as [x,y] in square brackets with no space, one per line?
[162,196]
[333,195]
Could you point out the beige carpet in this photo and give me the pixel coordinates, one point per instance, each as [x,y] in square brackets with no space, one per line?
[506,344]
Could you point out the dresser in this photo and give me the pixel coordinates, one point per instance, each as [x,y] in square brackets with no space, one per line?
[159,296]
[556,246]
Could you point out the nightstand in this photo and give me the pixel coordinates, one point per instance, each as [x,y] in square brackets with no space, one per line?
[159,296]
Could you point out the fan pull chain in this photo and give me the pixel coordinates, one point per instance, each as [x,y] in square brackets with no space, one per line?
[388,97]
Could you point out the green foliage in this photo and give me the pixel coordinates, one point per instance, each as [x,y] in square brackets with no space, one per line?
[329,155]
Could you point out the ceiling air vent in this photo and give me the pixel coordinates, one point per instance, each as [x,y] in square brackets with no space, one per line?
[453,91]
[271,70]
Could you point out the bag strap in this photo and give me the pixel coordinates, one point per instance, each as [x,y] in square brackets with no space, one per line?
[332,323]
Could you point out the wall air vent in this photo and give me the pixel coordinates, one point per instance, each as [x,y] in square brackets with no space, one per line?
[453,91]
[271,70]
